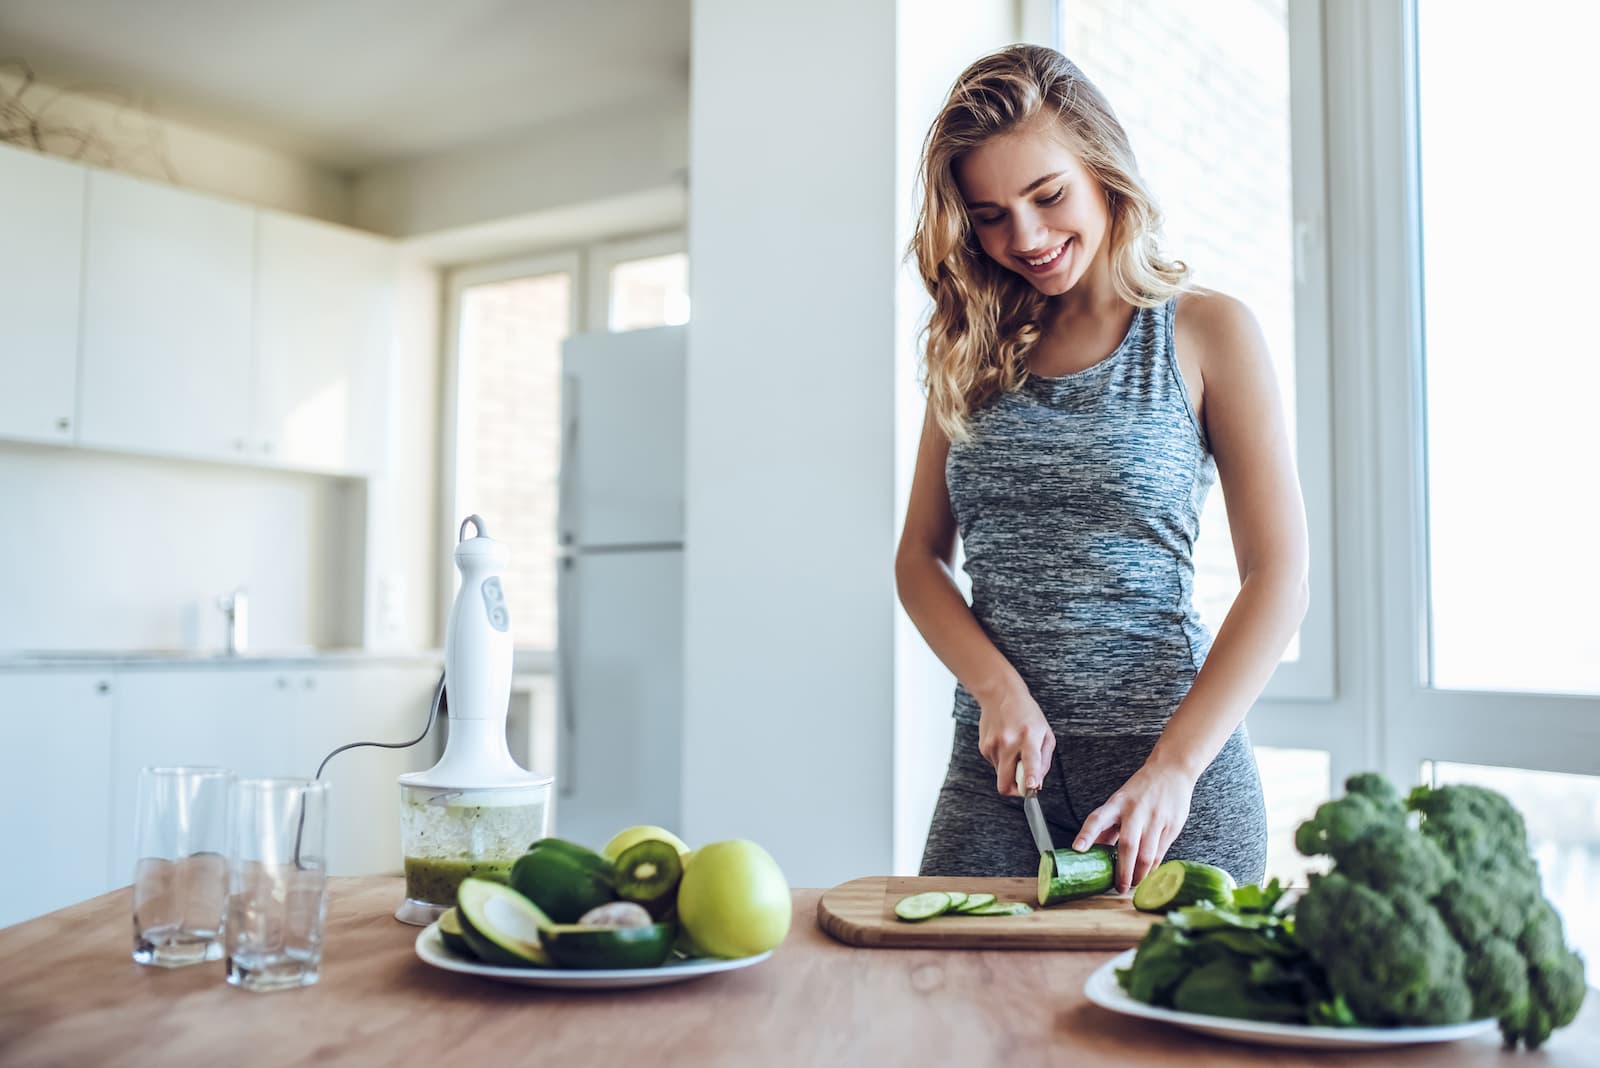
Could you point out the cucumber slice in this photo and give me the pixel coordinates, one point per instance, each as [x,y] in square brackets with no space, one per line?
[975,902]
[923,906]
[1177,883]
[1001,908]
[500,925]
[957,900]
[1065,875]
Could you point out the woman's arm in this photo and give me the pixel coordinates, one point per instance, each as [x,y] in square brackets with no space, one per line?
[1012,727]
[1244,421]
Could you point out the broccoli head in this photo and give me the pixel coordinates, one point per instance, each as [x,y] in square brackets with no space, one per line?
[1438,922]
[1388,953]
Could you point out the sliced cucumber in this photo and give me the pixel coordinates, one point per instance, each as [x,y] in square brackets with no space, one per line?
[1177,883]
[957,900]
[975,902]
[1001,908]
[922,906]
[500,925]
[1065,875]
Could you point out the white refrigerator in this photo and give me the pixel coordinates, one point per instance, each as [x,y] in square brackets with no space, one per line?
[619,646]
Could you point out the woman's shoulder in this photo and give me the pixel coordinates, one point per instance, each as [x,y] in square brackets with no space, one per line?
[1213,326]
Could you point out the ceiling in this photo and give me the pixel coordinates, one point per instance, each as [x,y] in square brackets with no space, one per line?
[355,83]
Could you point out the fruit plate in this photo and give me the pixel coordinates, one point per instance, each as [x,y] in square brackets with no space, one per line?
[431,948]
[1102,989]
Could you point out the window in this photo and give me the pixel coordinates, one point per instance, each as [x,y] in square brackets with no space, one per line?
[1205,96]
[1511,369]
[1295,782]
[510,323]
[503,451]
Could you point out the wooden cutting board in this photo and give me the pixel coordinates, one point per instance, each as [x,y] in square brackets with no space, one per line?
[861,913]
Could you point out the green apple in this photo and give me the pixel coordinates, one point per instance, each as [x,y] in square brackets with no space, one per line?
[634,835]
[734,900]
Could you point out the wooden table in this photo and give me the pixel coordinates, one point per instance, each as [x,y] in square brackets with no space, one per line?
[70,995]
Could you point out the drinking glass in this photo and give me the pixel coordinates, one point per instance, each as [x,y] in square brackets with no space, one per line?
[180,877]
[277,882]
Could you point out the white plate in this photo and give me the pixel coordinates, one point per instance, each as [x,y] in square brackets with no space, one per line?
[431,948]
[1102,989]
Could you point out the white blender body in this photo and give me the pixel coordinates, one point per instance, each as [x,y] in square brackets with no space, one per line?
[477,810]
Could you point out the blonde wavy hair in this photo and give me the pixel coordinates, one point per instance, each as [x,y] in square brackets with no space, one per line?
[987,319]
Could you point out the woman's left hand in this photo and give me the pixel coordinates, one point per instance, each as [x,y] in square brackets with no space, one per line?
[1142,818]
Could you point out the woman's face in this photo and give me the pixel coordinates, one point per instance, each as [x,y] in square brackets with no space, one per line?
[1036,210]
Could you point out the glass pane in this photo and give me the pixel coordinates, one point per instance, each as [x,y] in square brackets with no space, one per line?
[1563,817]
[1203,91]
[509,440]
[1513,372]
[650,292]
[1295,782]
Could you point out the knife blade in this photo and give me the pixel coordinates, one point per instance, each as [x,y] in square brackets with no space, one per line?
[1035,814]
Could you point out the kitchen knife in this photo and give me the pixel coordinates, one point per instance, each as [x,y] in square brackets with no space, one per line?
[1031,809]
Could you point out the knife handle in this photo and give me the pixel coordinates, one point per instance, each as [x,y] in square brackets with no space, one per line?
[1022,787]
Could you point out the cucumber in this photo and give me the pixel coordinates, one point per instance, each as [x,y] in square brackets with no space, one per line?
[924,906]
[1001,908]
[1177,883]
[1065,875]
[958,900]
[500,925]
[975,902]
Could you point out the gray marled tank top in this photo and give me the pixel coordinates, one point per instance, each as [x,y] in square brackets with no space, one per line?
[1078,500]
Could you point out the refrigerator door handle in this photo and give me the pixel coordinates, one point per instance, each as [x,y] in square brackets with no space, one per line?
[565,519]
[566,631]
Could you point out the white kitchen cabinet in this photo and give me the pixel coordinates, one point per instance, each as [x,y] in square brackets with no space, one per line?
[56,822]
[332,706]
[322,337]
[41,231]
[167,298]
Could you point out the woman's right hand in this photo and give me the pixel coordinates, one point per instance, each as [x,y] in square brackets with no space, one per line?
[1012,729]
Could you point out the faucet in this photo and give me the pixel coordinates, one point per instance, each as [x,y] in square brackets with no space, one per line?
[236,607]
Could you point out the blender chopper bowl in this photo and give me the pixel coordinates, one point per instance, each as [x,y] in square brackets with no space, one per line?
[477,810]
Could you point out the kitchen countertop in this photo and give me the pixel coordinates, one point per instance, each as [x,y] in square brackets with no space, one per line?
[72,995]
[167,659]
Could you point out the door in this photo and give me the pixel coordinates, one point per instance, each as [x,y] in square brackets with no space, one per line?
[622,445]
[619,692]
[57,826]
[41,230]
[322,335]
[166,320]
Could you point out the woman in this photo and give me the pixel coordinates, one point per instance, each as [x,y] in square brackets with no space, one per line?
[1082,397]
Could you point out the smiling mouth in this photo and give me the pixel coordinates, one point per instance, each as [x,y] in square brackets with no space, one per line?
[1048,259]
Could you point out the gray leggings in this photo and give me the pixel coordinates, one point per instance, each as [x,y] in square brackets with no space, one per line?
[977,832]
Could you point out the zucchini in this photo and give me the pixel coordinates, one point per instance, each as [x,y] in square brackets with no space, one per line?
[1177,883]
[1065,875]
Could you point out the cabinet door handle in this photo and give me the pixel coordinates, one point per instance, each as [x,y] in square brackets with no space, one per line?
[102,687]
[63,423]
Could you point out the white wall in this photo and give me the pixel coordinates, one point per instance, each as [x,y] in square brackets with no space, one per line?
[103,551]
[134,141]
[937,39]
[798,360]
[591,157]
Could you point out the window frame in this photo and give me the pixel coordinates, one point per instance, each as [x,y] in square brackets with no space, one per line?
[605,256]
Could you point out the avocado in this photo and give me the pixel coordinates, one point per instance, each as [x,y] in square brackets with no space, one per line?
[564,879]
[577,946]
[501,926]
[450,934]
